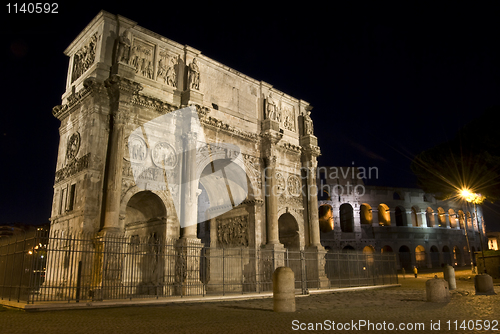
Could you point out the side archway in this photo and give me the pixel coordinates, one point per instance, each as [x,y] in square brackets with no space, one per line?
[144,214]
[289,231]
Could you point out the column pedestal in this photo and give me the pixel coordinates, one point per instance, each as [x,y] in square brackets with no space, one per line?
[315,262]
[187,267]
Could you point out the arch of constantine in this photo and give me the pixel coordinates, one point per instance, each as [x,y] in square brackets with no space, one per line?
[159,142]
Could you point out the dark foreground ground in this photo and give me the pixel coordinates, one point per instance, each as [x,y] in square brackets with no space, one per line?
[398,309]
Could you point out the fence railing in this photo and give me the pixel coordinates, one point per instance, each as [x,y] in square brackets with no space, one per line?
[83,267]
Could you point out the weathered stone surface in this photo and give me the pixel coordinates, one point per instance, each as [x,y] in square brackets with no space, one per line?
[117,172]
[437,291]
[283,290]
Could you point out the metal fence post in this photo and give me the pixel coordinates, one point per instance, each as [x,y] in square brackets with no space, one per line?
[223,274]
[22,270]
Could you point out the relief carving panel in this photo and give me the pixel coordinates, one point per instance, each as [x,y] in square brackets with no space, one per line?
[168,66]
[84,58]
[141,58]
[233,231]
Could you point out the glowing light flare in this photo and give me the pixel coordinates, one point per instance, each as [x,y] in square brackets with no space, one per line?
[471,197]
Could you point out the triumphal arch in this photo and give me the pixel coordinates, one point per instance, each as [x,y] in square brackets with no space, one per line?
[159,141]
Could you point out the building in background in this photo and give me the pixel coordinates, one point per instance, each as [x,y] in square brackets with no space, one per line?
[493,240]
[423,231]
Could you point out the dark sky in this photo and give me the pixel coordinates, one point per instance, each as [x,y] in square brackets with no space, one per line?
[385,81]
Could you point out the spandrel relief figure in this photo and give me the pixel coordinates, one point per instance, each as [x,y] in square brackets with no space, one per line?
[194,75]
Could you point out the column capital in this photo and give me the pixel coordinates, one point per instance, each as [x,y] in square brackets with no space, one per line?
[270,161]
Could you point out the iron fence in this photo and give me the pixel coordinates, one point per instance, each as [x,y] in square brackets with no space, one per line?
[81,267]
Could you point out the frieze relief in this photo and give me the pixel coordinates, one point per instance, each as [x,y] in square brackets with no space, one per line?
[280,112]
[232,231]
[168,66]
[74,167]
[144,173]
[141,58]
[85,57]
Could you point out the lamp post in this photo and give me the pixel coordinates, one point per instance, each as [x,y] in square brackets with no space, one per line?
[476,199]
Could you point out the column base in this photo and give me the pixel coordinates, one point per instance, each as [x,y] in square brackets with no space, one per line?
[187,267]
[316,275]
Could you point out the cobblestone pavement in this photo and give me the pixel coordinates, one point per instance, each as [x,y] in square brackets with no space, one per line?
[377,309]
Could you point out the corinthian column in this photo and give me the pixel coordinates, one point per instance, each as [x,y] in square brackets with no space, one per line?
[315,252]
[312,200]
[189,199]
[120,92]
[272,202]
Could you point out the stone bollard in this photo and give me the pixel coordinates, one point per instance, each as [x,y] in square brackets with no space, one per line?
[437,290]
[284,290]
[449,276]
[484,285]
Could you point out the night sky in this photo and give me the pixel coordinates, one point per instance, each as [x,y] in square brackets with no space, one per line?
[385,82]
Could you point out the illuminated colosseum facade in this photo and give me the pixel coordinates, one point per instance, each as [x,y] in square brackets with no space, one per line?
[424,231]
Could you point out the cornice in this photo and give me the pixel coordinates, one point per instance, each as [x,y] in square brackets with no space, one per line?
[90,85]
[217,124]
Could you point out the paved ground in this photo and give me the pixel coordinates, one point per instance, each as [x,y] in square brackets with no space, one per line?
[403,307]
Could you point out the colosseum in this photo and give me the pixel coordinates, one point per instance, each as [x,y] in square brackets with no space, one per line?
[424,231]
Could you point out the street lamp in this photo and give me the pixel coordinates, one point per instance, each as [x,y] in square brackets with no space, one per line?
[475,199]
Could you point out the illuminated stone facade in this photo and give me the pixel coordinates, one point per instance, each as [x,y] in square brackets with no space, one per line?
[122,76]
[424,231]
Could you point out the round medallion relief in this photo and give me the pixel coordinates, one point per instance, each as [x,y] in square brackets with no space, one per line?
[73,146]
[164,155]
[137,150]
[294,185]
